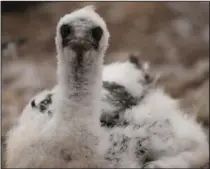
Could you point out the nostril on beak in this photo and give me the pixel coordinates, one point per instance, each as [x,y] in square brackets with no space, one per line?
[77,46]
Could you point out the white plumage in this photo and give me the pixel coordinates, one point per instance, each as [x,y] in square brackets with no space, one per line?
[151,131]
[157,135]
[66,140]
[124,83]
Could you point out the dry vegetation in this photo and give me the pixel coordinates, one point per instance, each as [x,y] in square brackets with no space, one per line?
[173,36]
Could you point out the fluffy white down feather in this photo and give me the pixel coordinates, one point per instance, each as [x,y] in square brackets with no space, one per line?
[174,140]
[159,135]
[124,73]
[66,140]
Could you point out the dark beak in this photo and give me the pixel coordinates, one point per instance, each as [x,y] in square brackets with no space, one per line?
[80,45]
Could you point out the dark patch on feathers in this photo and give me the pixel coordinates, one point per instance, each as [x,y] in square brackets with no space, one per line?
[119,146]
[78,70]
[33,105]
[122,100]
[44,104]
[119,95]
[134,60]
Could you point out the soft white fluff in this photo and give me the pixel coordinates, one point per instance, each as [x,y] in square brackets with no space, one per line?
[159,135]
[125,74]
[66,140]
[131,78]
[128,75]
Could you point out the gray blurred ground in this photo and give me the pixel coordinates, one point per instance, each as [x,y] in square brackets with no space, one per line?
[173,36]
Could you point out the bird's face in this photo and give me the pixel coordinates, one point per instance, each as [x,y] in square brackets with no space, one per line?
[82,32]
[133,75]
[81,35]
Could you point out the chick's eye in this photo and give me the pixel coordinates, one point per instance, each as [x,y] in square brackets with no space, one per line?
[97,33]
[147,77]
[65,30]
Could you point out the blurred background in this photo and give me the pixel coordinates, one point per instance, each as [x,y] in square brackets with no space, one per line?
[172,36]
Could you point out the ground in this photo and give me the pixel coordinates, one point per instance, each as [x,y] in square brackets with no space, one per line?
[173,36]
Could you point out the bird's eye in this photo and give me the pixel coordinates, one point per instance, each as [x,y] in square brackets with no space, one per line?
[65,30]
[97,33]
[147,77]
